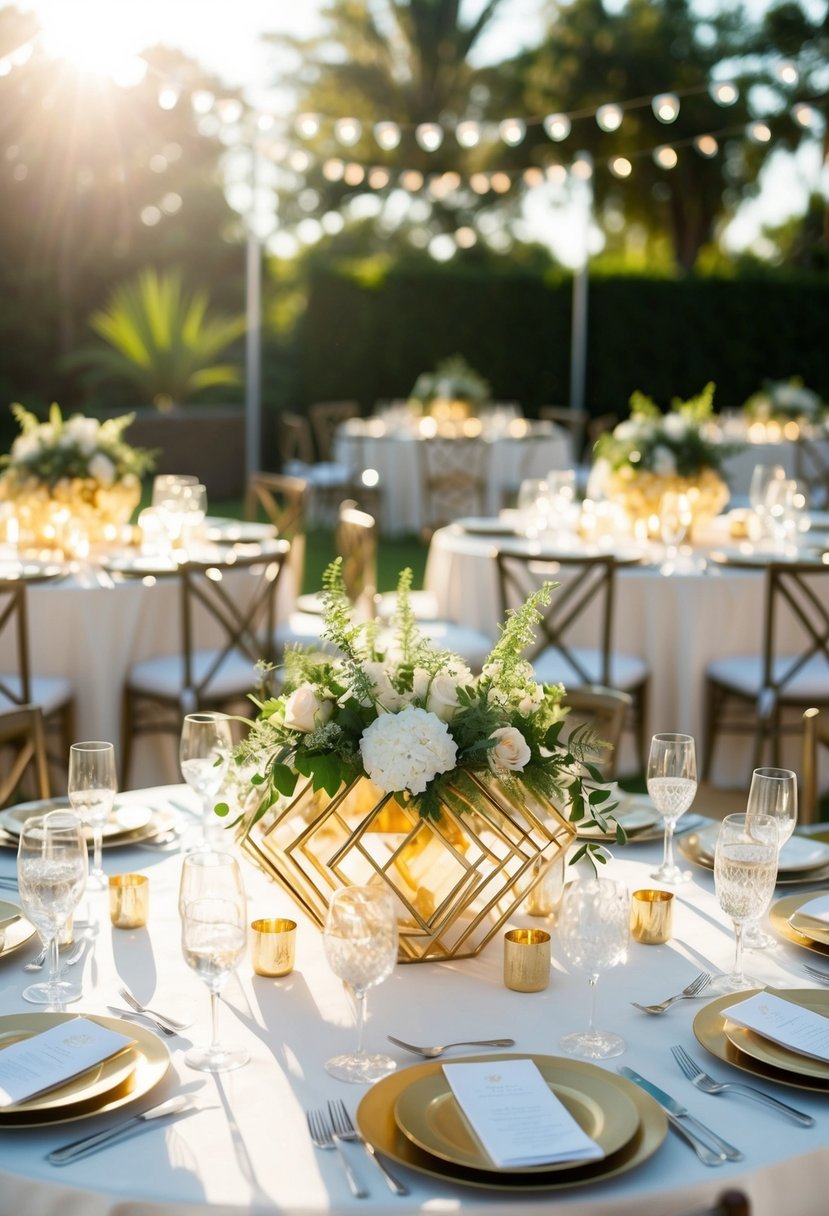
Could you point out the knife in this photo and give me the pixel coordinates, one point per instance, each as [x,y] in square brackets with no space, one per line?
[90,1144]
[679,1117]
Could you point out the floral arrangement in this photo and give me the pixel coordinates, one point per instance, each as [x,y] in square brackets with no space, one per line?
[414,718]
[452,380]
[784,401]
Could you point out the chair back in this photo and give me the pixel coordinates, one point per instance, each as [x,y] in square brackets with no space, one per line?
[281,499]
[796,605]
[293,437]
[325,417]
[815,737]
[217,618]
[597,426]
[14,629]
[573,420]
[604,711]
[585,592]
[811,467]
[453,478]
[357,545]
[23,747]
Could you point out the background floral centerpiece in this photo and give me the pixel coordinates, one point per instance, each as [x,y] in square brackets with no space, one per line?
[410,761]
[453,391]
[785,401]
[653,452]
[71,474]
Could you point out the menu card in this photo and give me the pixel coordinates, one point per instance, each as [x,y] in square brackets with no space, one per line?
[51,1058]
[516,1116]
[814,913]
[798,1029]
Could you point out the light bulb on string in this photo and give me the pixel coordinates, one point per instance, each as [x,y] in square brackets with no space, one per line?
[805,116]
[307,125]
[582,166]
[665,157]
[500,182]
[665,107]
[557,174]
[512,131]
[411,180]
[468,133]
[724,92]
[354,174]
[347,131]
[533,177]
[706,145]
[787,72]
[479,182]
[557,127]
[620,167]
[378,178]
[465,237]
[758,132]
[609,117]
[168,95]
[429,136]
[387,135]
[230,110]
[333,170]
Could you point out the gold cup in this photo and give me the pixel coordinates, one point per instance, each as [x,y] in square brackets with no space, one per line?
[129,900]
[651,916]
[527,960]
[273,946]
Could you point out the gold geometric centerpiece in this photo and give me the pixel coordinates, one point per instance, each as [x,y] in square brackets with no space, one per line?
[391,763]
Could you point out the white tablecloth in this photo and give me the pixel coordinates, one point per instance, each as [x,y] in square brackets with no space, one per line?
[247,1149]
[739,467]
[394,455]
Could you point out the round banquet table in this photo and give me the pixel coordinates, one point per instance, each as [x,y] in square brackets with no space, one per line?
[679,624]
[532,451]
[245,1149]
[738,467]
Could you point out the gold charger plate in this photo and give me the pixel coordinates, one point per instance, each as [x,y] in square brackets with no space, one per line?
[129,823]
[779,914]
[16,935]
[429,1114]
[375,1119]
[148,1062]
[709,1028]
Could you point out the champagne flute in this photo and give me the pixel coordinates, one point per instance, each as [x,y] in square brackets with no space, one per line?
[594,928]
[745,871]
[360,941]
[205,747]
[674,523]
[52,867]
[773,792]
[672,785]
[213,942]
[91,786]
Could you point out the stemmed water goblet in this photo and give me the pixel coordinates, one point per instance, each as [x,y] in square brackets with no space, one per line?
[762,477]
[91,786]
[204,750]
[674,522]
[213,939]
[360,941]
[773,792]
[672,785]
[745,871]
[52,865]
[594,928]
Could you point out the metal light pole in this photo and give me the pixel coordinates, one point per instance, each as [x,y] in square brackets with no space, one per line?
[253,313]
[582,170]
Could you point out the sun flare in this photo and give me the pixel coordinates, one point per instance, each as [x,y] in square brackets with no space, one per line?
[94,37]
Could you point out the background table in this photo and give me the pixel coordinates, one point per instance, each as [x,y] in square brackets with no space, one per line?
[247,1151]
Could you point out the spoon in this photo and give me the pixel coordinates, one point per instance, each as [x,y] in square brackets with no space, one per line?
[430,1053]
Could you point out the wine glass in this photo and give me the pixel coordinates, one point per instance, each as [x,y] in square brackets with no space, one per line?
[205,747]
[533,506]
[213,938]
[91,786]
[745,871]
[360,941]
[672,785]
[762,477]
[52,867]
[594,928]
[773,792]
[209,874]
[674,523]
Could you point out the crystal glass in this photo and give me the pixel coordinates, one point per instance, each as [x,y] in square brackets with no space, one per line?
[360,941]
[213,941]
[52,867]
[773,792]
[594,929]
[745,871]
[762,476]
[91,787]
[209,874]
[533,506]
[674,522]
[672,785]
[204,750]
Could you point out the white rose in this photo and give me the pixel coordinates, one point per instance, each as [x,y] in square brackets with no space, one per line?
[663,462]
[305,711]
[510,751]
[405,751]
[83,432]
[675,425]
[102,469]
[442,698]
[25,446]
[384,691]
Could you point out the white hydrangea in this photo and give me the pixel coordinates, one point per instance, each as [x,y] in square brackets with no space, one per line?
[83,432]
[406,750]
[102,469]
[676,426]
[663,461]
[25,446]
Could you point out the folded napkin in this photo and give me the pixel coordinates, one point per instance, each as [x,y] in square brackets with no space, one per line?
[814,914]
[797,1029]
[516,1116]
[47,1060]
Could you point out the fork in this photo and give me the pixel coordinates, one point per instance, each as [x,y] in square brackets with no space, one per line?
[68,960]
[821,976]
[321,1136]
[431,1053]
[161,1018]
[344,1129]
[692,990]
[709,1086]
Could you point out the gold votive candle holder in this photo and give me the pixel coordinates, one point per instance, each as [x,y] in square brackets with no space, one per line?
[527,959]
[129,900]
[273,946]
[651,916]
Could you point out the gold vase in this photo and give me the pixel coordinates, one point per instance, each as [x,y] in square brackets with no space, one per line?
[640,493]
[49,516]
[456,879]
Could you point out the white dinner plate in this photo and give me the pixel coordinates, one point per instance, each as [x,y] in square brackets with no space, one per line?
[129,817]
[229,531]
[139,563]
[487,525]
[798,854]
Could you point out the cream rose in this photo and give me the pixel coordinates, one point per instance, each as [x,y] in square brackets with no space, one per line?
[510,749]
[305,711]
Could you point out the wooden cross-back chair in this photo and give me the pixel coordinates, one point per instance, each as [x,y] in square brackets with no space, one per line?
[54,695]
[815,737]
[293,437]
[281,500]
[750,694]
[811,467]
[453,478]
[228,621]
[357,545]
[23,753]
[604,710]
[325,417]
[582,603]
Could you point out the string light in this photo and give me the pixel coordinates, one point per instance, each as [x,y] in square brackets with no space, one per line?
[787,72]
[429,136]
[387,135]
[724,92]
[706,145]
[512,131]
[665,157]
[609,117]
[347,131]
[168,96]
[307,125]
[557,127]
[805,115]
[758,132]
[665,107]
[620,166]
